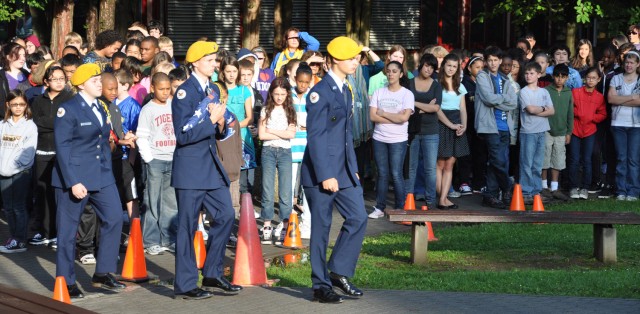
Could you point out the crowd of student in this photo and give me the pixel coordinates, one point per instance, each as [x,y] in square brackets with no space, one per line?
[473,122]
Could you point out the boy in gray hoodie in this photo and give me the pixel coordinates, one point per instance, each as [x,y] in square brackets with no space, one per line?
[493,101]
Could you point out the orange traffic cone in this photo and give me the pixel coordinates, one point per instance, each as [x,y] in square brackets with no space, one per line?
[431,236]
[200,249]
[537,203]
[60,292]
[410,202]
[249,268]
[292,240]
[292,258]
[134,268]
[517,201]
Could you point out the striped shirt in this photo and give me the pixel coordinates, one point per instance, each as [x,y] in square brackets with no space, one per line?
[299,142]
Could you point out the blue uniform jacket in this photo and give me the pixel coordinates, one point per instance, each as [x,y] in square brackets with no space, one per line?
[329,152]
[83,154]
[195,162]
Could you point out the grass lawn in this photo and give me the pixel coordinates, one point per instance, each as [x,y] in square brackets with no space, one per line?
[545,259]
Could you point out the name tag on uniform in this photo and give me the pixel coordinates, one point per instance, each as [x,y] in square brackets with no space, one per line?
[85,123]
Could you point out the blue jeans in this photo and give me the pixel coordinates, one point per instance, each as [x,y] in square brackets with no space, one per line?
[532,147]
[498,163]
[15,195]
[626,140]
[427,146]
[580,150]
[389,161]
[161,217]
[276,158]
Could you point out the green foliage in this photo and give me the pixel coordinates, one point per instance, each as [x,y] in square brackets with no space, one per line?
[523,11]
[10,11]
[635,15]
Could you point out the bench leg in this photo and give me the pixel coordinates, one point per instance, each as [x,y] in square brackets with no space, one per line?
[604,243]
[419,243]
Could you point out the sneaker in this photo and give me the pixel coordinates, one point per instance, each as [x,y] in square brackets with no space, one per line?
[621,197]
[480,191]
[595,188]
[256,215]
[574,193]
[493,203]
[38,239]
[88,259]
[376,213]
[454,194]
[605,192]
[465,189]
[154,250]
[53,244]
[528,199]
[281,231]
[233,241]
[267,231]
[171,248]
[584,194]
[546,193]
[506,197]
[631,198]
[557,194]
[305,231]
[205,233]
[13,246]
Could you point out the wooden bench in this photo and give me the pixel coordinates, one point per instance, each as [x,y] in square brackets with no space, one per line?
[604,234]
[13,300]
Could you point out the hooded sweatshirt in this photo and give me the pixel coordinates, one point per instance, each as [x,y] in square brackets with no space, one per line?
[18,142]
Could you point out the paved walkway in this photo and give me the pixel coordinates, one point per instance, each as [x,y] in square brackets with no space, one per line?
[35,270]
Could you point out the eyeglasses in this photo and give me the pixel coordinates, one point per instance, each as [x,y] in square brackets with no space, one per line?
[591,78]
[20,104]
[315,64]
[632,33]
[296,38]
[56,79]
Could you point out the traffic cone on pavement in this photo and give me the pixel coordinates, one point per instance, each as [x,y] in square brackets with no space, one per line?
[134,268]
[292,239]
[537,203]
[410,202]
[249,268]
[200,249]
[60,292]
[431,236]
[517,201]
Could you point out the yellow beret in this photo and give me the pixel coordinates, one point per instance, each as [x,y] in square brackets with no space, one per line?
[85,72]
[343,48]
[200,49]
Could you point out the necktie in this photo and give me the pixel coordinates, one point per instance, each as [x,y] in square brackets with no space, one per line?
[344,93]
[207,90]
[96,111]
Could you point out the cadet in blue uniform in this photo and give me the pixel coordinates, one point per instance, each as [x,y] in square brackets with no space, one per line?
[83,174]
[199,179]
[330,176]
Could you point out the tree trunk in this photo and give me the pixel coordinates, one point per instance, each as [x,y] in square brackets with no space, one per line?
[358,20]
[281,21]
[107,19]
[62,24]
[570,41]
[92,24]
[39,25]
[251,24]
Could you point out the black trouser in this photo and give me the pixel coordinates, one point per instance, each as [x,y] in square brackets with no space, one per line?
[88,232]
[44,211]
[479,160]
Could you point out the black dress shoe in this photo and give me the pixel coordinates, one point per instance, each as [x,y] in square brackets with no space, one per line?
[493,202]
[220,283]
[442,207]
[326,295]
[107,282]
[75,292]
[194,294]
[343,283]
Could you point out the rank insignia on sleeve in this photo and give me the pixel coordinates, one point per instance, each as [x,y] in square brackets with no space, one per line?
[60,113]
[181,94]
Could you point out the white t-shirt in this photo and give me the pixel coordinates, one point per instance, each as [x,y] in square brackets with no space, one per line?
[277,121]
[393,102]
[624,115]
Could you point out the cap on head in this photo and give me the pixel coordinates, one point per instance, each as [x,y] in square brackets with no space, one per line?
[200,49]
[343,48]
[85,72]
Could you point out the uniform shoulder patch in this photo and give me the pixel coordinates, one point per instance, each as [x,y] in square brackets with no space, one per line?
[181,94]
[60,112]
[314,97]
